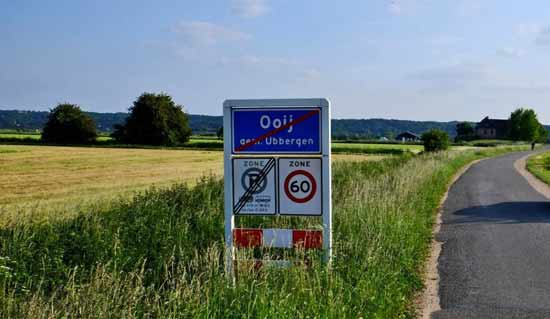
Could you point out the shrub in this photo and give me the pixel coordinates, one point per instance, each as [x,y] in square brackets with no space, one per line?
[154,120]
[67,124]
[435,140]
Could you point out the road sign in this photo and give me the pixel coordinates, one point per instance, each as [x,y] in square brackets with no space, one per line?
[254,186]
[300,186]
[276,130]
[277,161]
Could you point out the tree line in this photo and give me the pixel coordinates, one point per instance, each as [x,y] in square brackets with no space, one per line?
[154,119]
[523,125]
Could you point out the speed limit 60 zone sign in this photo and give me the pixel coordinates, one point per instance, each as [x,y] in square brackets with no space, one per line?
[300,186]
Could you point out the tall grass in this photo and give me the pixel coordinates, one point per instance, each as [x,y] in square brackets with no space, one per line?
[539,165]
[161,253]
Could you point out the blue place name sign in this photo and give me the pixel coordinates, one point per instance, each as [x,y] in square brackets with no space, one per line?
[276,130]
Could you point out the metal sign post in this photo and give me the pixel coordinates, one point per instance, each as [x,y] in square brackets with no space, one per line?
[277,161]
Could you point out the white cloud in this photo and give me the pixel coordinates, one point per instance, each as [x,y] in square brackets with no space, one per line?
[250,8]
[395,7]
[206,33]
[257,61]
[312,74]
[528,29]
[510,52]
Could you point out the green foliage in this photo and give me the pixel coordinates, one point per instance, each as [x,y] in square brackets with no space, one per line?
[160,255]
[67,124]
[154,120]
[435,141]
[543,136]
[524,125]
[539,165]
[219,132]
[465,131]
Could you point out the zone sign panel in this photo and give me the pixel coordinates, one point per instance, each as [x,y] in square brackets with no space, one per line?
[260,199]
[300,186]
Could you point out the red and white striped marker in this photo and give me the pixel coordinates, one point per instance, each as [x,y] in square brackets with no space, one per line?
[277,238]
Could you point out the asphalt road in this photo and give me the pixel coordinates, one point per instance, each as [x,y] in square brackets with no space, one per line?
[495,259]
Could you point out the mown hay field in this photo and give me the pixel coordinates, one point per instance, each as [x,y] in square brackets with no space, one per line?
[51,173]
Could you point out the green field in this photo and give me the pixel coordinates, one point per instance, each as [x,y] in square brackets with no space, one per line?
[539,165]
[36,136]
[212,143]
[376,147]
[160,254]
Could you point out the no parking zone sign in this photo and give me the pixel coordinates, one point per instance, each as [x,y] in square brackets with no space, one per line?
[277,162]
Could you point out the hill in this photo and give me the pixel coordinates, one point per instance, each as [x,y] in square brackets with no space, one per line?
[207,124]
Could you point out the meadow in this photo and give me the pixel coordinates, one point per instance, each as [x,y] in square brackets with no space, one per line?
[160,253]
[32,174]
[212,143]
[539,165]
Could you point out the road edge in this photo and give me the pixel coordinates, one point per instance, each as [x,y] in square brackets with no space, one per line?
[427,301]
[521,167]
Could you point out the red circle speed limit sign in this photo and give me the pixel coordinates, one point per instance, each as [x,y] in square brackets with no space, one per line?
[300,186]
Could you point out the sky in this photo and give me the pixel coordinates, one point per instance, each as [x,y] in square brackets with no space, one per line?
[403,59]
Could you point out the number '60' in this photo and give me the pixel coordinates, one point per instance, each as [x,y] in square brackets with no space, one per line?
[304,186]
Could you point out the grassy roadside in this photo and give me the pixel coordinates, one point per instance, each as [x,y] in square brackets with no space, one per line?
[160,254]
[539,165]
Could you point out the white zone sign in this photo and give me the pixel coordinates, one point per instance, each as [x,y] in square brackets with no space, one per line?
[260,198]
[300,186]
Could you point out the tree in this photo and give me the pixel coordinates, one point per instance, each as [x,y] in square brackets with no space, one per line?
[435,140]
[154,119]
[67,124]
[219,133]
[464,131]
[543,135]
[524,125]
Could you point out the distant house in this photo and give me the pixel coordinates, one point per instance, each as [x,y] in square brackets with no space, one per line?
[407,137]
[492,128]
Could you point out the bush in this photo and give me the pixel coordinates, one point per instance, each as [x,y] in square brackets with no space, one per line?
[67,124]
[435,140]
[154,120]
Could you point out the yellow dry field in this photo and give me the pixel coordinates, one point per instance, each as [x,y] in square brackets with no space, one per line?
[46,174]
[31,173]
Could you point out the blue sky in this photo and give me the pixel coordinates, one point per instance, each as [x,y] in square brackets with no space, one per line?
[406,59]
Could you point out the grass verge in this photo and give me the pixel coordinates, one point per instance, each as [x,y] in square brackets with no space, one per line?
[539,165]
[160,254]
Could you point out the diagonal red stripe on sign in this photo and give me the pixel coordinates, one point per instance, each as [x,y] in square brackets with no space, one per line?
[275,131]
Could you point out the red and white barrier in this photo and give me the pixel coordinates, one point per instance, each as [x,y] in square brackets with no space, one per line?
[277,238]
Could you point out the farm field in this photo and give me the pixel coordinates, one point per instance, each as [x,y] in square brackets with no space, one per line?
[158,254]
[364,146]
[36,136]
[48,173]
[539,165]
